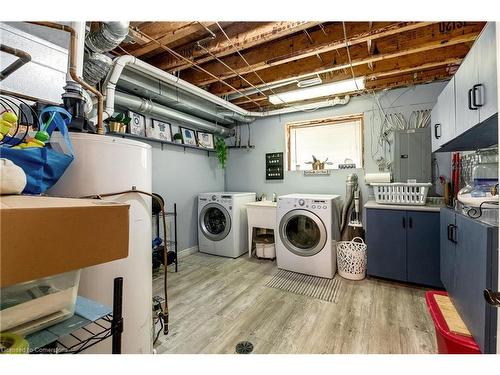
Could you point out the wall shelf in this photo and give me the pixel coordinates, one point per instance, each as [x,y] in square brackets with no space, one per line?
[149,139]
[241,147]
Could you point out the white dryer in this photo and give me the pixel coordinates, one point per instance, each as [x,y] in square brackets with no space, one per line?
[222,223]
[308,228]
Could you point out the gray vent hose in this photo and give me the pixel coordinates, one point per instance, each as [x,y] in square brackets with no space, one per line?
[107,38]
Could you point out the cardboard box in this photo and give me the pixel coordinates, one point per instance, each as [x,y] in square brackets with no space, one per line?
[43,236]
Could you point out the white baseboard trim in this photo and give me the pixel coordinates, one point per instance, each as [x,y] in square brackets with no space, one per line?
[185,252]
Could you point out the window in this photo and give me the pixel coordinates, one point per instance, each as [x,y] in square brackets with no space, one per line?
[334,140]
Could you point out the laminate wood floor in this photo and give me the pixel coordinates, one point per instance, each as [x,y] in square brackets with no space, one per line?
[217,302]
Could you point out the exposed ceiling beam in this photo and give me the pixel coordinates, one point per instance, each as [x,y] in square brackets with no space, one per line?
[308,67]
[221,46]
[174,32]
[385,69]
[299,46]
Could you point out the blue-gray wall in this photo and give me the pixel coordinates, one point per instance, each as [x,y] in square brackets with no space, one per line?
[246,169]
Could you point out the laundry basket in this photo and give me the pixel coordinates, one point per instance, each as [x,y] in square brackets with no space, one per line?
[411,193]
[351,259]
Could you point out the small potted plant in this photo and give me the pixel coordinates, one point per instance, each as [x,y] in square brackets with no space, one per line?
[118,123]
[177,138]
[221,150]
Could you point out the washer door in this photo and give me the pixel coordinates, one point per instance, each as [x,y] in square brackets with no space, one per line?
[302,232]
[215,222]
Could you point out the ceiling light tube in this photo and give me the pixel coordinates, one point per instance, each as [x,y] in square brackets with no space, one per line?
[334,88]
[310,82]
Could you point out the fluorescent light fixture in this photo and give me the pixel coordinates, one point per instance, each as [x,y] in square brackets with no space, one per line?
[326,89]
[310,82]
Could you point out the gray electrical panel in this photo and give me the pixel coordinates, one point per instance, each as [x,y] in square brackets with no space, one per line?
[412,155]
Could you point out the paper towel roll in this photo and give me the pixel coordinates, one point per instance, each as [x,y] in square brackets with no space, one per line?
[377,177]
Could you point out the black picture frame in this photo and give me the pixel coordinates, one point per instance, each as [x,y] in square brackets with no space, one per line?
[205,140]
[188,136]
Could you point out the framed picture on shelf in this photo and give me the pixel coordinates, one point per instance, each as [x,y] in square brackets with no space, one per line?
[188,136]
[159,130]
[205,140]
[137,124]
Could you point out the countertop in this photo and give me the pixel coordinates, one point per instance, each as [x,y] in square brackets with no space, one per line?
[427,207]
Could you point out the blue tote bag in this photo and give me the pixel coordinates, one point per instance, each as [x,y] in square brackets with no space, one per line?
[44,166]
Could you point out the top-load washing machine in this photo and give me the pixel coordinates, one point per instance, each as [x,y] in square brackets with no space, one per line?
[222,223]
[308,228]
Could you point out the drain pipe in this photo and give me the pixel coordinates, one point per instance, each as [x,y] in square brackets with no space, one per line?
[73,66]
[146,106]
[239,113]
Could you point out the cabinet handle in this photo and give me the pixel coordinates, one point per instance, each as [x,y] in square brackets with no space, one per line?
[470,101]
[493,298]
[404,223]
[449,232]
[475,89]
[436,135]
[410,222]
[453,233]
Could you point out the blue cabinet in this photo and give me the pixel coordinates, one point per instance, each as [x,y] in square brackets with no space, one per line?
[423,248]
[386,241]
[404,245]
[469,266]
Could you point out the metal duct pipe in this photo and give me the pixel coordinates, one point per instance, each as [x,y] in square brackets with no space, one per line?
[146,106]
[128,60]
[108,37]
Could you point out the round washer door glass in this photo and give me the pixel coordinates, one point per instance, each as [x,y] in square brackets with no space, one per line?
[302,232]
[215,222]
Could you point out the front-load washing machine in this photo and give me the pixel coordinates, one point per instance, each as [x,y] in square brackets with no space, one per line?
[308,228]
[222,223]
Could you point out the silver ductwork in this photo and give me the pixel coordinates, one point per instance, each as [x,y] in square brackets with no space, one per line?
[147,107]
[121,62]
[108,37]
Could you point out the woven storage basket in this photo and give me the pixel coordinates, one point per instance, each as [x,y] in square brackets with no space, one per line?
[351,259]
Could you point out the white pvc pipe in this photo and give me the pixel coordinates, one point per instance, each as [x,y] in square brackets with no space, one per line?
[121,62]
[79,28]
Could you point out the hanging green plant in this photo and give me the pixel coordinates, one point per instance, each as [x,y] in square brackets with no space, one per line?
[221,150]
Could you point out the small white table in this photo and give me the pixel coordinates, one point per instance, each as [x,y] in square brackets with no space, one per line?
[260,215]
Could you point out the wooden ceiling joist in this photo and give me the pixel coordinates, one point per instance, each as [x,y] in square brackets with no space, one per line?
[297,47]
[307,67]
[221,46]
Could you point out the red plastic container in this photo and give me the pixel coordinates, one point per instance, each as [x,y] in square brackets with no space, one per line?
[448,342]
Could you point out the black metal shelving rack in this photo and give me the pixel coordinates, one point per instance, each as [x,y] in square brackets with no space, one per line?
[170,243]
[81,332]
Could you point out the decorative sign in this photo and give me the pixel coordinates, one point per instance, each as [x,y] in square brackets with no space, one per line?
[317,172]
[274,166]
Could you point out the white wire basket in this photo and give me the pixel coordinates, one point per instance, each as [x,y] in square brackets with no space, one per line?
[351,259]
[410,193]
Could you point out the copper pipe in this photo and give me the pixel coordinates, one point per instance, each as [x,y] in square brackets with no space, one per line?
[72,69]
[23,58]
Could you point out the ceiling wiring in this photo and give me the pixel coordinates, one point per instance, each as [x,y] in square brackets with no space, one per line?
[259,77]
[195,65]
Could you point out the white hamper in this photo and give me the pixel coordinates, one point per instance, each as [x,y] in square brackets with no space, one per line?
[351,259]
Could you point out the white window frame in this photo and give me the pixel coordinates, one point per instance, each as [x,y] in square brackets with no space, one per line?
[323,122]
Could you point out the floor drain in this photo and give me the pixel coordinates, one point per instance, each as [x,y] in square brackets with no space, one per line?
[244,347]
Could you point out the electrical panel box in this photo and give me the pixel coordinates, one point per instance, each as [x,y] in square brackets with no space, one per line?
[412,155]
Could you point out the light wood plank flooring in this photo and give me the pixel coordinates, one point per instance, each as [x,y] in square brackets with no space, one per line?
[217,302]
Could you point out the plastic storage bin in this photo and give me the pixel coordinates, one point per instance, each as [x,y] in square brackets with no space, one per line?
[351,259]
[411,193]
[447,341]
[31,306]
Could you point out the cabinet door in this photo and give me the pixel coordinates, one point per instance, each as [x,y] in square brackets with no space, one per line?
[422,248]
[472,275]
[386,243]
[465,78]
[447,112]
[436,127]
[447,250]
[486,61]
